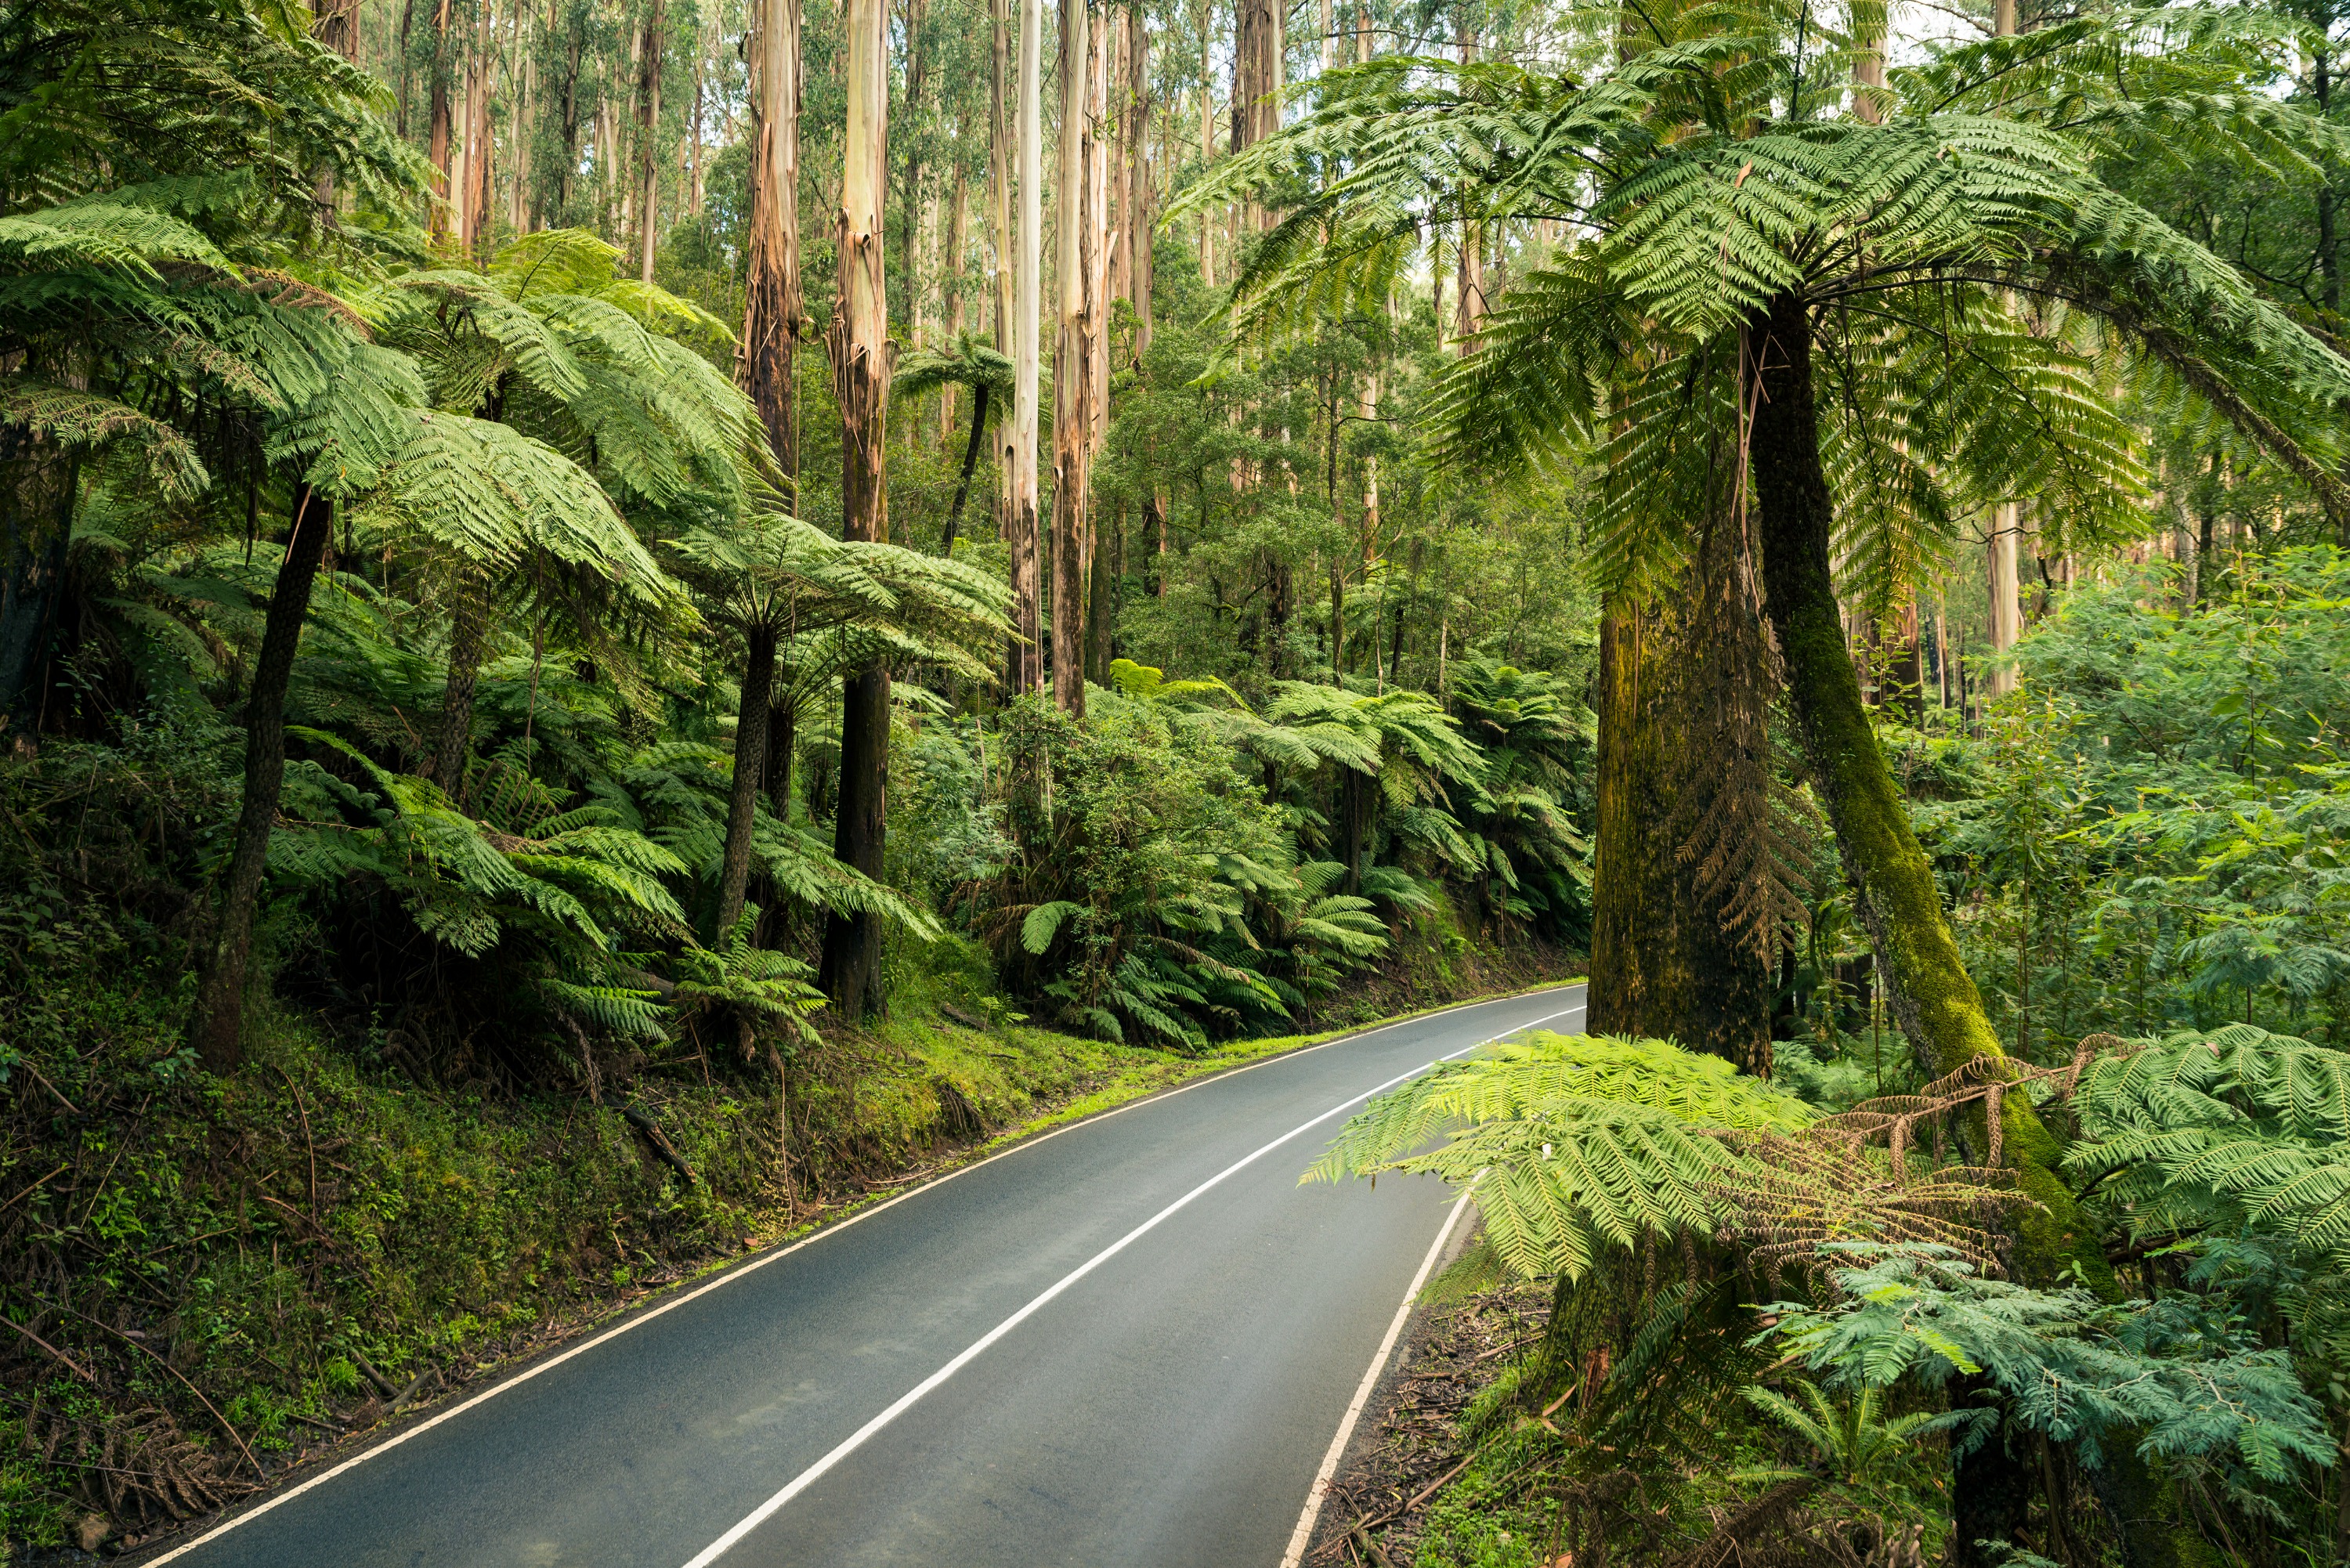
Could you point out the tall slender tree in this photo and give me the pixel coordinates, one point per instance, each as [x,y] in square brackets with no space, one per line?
[1073,361]
[859,343]
[773,309]
[1026,661]
[438,144]
[652,44]
[2007,513]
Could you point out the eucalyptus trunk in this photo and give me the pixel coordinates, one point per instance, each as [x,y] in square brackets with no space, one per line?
[860,344]
[219,1022]
[773,306]
[998,226]
[648,96]
[1026,661]
[751,717]
[1072,365]
[438,143]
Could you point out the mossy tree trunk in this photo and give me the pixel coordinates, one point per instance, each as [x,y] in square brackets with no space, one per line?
[468,644]
[1932,997]
[1662,964]
[1358,808]
[220,1000]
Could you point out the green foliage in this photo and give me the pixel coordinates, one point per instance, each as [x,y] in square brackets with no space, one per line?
[2222,1131]
[1576,1144]
[2147,838]
[1856,1444]
[2170,1376]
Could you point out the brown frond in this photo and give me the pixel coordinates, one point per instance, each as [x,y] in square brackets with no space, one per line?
[1807,1191]
[1737,822]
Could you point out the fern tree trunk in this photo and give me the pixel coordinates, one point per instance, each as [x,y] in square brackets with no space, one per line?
[1934,1000]
[1358,810]
[751,720]
[1662,965]
[36,501]
[851,967]
[970,463]
[468,640]
[220,1000]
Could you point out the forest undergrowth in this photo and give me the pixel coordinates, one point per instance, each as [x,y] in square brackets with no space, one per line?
[224,1278]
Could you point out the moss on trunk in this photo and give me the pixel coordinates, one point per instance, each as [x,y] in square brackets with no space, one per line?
[1661,963]
[1933,998]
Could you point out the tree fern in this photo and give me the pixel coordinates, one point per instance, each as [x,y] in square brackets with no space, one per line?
[2222,1129]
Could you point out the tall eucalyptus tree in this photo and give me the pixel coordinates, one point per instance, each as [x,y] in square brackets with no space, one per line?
[859,343]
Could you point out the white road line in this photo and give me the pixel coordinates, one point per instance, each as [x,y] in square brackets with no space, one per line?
[1303,1536]
[858,1439]
[760,1262]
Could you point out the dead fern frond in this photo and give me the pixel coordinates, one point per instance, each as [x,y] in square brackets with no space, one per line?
[1738,822]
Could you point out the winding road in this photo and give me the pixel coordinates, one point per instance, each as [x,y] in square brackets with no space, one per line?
[1134,1340]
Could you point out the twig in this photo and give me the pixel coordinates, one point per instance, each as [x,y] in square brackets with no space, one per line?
[384,1385]
[37,1186]
[1422,1496]
[1370,1548]
[307,1143]
[78,1369]
[52,1088]
[166,1365]
[1489,1355]
[1430,1490]
[323,1234]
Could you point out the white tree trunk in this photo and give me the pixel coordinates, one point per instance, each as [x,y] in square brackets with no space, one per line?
[772,307]
[1071,360]
[1028,303]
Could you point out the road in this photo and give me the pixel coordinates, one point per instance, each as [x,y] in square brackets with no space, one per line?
[1130,1341]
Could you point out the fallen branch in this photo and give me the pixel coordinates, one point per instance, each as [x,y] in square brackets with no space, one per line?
[383,1386]
[1418,1497]
[76,1368]
[1370,1548]
[37,1186]
[641,1119]
[1499,1349]
[415,1386]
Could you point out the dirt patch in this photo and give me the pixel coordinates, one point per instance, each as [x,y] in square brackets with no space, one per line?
[1408,1444]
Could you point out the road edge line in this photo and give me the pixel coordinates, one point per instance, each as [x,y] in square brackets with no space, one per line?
[1303,1536]
[637,1318]
[816,1471]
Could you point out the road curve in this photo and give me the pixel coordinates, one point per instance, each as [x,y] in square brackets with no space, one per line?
[1128,1342]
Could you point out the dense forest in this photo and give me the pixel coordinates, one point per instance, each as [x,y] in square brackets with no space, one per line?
[620,617]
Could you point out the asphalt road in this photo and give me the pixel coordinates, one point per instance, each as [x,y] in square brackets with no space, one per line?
[1128,1342]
